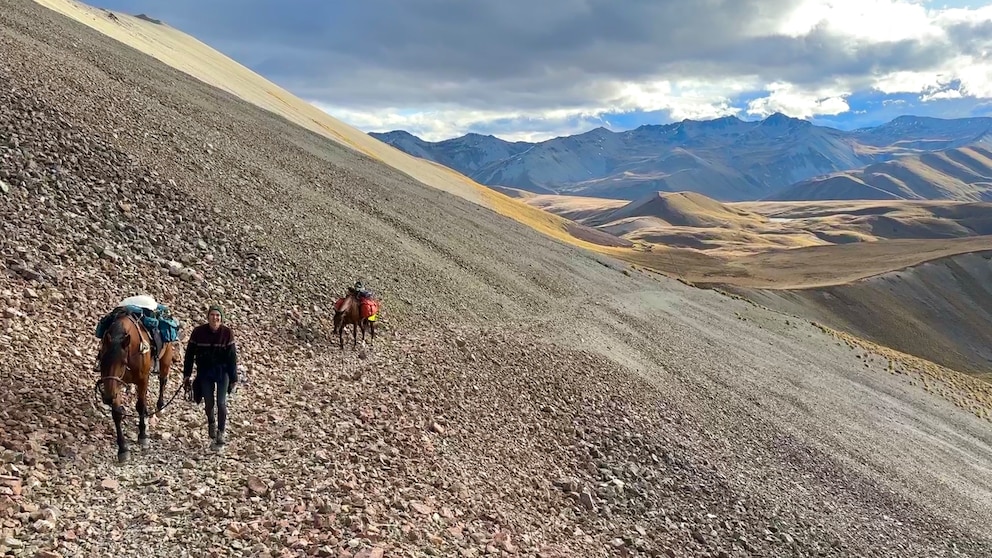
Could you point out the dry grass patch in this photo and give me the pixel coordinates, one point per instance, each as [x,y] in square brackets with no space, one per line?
[966,392]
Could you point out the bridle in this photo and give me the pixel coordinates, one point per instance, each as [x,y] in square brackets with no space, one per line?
[126,367]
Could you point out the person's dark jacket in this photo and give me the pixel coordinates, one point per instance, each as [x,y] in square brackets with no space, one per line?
[215,354]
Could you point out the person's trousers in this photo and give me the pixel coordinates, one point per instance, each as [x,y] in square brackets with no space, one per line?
[215,392]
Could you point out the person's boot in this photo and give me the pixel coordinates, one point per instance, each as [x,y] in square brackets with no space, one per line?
[220,440]
[212,431]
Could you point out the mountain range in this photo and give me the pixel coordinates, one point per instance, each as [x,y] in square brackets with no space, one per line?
[727,159]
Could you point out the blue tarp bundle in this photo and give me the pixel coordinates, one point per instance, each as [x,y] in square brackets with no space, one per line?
[159,318]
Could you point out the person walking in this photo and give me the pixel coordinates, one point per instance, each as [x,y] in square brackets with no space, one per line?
[212,348]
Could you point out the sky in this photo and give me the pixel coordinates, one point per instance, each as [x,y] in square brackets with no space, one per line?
[536,69]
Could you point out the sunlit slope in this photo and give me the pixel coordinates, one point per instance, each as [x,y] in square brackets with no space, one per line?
[187,54]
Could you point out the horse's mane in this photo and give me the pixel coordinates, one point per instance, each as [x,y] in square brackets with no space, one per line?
[114,341]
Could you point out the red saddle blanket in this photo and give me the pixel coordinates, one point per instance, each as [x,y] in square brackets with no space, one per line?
[370,307]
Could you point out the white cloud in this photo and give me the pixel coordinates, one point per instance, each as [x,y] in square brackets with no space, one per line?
[911,82]
[976,77]
[946,94]
[792,101]
[441,124]
[866,20]
[692,99]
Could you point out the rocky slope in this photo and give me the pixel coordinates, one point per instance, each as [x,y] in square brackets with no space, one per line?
[726,159]
[515,402]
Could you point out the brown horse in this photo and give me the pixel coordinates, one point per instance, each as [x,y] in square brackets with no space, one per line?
[125,358]
[351,314]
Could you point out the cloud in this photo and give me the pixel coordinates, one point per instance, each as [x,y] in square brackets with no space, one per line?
[524,68]
[787,99]
[436,125]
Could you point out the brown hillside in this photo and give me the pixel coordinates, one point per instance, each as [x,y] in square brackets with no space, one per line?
[681,209]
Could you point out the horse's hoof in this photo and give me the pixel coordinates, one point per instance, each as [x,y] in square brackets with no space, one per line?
[122,456]
[144,442]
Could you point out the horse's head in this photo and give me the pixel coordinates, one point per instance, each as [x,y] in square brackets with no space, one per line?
[112,363]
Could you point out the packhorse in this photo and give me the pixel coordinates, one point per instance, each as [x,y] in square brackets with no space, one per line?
[126,357]
[357,312]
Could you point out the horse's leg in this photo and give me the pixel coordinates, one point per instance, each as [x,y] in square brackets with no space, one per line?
[341,336]
[118,413]
[142,408]
[354,335]
[372,329]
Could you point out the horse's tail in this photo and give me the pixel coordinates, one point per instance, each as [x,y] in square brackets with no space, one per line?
[115,341]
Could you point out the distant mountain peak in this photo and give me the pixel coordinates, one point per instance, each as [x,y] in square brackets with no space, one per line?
[726,158]
[779,119]
[723,120]
[394,133]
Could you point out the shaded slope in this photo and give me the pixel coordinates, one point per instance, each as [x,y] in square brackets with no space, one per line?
[962,174]
[918,133]
[940,310]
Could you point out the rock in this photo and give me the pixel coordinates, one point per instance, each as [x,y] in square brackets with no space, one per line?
[10,485]
[43,526]
[110,484]
[257,486]
[422,509]
[587,501]
[109,254]
[568,484]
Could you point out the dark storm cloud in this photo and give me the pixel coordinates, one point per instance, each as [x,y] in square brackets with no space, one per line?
[527,54]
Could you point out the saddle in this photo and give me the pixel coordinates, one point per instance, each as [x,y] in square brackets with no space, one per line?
[369,306]
[155,318]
